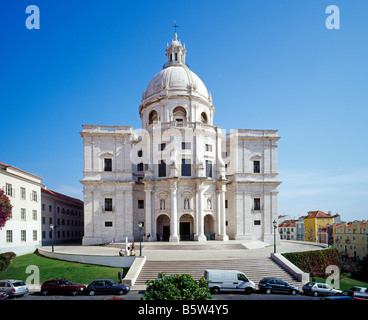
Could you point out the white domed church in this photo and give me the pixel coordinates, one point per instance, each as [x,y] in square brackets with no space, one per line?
[179,177]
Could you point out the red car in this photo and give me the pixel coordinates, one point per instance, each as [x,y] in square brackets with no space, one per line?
[61,286]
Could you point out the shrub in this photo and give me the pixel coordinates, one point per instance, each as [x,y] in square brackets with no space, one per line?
[177,287]
[5,209]
[5,259]
[315,262]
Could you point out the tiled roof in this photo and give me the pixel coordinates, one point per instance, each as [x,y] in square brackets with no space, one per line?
[288,223]
[318,214]
[62,196]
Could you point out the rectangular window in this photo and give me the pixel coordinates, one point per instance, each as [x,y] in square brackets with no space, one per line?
[108,165]
[256,166]
[23,214]
[9,190]
[23,237]
[23,193]
[185,145]
[34,196]
[226,204]
[9,236]
[162,169]
[108,204]
[34,215]
[34,235]
[161,146]
[257,204]
[108,223]
[257,222]
[140,167]
[209,168]
[140,204]
[209,147]
[186,167]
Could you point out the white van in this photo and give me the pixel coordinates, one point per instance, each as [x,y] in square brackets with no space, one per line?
[228,280]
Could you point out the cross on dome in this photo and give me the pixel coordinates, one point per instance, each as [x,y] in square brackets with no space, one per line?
[175,26]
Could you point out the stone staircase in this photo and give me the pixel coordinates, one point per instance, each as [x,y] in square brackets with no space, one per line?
[254,268]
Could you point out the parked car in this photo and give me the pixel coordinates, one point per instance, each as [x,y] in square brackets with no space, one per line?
[270,285]
[337,298]
[106,286]
[14,288]
[319,289]
[228,280]
[3,295]
[351,291]
[61,286]
[360,296]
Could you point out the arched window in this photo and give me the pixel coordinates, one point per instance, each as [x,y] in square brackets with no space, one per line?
[204,117]
[153,117]
[179,114]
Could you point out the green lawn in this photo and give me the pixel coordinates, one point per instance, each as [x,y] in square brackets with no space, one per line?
[346,282]
[52,268]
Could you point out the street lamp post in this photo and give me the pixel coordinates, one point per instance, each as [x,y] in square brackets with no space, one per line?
[274,235]
[140,226]
[52,231]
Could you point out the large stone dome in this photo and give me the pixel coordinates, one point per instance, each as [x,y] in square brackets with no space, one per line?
[176,93]
[176,79]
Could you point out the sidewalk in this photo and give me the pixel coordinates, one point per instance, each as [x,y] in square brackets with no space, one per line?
[190,250]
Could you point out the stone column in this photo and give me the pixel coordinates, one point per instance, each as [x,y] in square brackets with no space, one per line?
[218,214]
[128,215]
[174,237]
[148,213]
[200,222]
[223,235]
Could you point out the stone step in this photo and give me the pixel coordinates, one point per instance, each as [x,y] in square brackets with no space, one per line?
[255,269]
[207,246]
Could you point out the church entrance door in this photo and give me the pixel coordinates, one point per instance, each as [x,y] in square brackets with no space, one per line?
[184,230]
[185,227]
[166,233]
[163,227]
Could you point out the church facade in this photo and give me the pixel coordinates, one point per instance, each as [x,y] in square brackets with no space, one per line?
[180,177]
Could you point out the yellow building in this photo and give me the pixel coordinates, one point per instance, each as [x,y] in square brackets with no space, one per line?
[351,238]
[314,222]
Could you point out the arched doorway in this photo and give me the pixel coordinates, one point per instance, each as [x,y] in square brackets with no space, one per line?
[209,227]
[186,227]
[163,227]
[153,117]
[179,114]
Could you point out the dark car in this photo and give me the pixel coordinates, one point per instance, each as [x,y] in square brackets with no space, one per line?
[270,285]
[61,286]
[106,286]
[337,298]
[351,291]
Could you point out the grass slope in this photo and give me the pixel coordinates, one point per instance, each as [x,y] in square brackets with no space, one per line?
[52,268]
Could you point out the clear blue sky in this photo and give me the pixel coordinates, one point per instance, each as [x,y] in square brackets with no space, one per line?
[269,64]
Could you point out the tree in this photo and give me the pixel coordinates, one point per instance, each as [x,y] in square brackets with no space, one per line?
[177,287]
[5,209]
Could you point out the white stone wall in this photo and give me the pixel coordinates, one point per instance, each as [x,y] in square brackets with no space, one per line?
[31,206]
